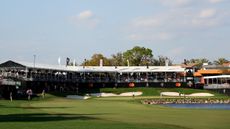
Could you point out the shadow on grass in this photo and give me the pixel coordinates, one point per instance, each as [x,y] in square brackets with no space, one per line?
[44,107]
[27,107]
[41,117]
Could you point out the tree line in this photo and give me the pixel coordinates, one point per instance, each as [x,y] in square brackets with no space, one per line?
[137,56]
[141,56]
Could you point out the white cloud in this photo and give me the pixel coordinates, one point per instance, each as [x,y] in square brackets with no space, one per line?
[146,22]
[177,3]
[196,16]
[85,15]
[135,37]
[205,22]
[179,19]
[215,1]
[177,51]
[185,3]
[207,13]
[174,22]
[207,18]
[164,36]
[85,18]
[150,37]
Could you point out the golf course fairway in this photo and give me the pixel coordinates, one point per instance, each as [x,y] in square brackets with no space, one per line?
[105,113]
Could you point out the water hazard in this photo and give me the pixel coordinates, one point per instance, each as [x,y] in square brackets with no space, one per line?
[200,106]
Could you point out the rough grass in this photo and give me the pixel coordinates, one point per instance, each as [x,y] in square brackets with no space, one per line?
[99,113]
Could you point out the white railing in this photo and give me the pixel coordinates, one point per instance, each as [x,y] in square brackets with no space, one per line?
[217,86]
[10,82]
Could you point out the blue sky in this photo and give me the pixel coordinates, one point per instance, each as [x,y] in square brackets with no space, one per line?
[77,29]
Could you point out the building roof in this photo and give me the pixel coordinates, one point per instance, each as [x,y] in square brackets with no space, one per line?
[211,71]
[197,74]
[226,64]
[219,76]
[120,69]
[190,65]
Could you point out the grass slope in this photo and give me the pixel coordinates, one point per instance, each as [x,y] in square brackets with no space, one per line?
[99,113]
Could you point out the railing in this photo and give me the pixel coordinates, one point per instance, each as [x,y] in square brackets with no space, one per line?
[88,79]
[217,86]
[10,82]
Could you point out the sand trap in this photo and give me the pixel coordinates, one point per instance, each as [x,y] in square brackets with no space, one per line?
[131,94]
[77,97]
[191,95]
[111,94]
[103,94]
[170,94]
[201,94]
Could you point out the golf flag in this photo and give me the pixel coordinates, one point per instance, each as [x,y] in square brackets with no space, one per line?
[74,62]
[59,60]
[101,62]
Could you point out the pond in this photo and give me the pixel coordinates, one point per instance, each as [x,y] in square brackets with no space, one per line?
[200,106]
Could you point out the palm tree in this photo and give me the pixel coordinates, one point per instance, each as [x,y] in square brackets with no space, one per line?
[220,61]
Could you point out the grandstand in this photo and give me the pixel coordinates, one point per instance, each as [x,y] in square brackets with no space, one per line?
[24,75]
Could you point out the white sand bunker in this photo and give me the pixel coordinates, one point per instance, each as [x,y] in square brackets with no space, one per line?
[201,94]
[77,97]
[170,94]
[122,94]
[131,94]
[191,95]
[103,94]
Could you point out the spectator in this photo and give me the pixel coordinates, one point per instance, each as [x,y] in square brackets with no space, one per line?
[29,92]
[11,96]
[43,93]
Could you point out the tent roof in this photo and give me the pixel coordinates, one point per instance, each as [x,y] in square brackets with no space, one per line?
[219,76]
[120,69]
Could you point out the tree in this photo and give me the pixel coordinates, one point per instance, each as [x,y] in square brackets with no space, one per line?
[220,61]
[198,61]
[138,56]
[95,60]
[117,59]
[161,61]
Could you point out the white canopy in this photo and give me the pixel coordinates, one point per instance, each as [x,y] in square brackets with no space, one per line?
[219,76]
[119,69]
